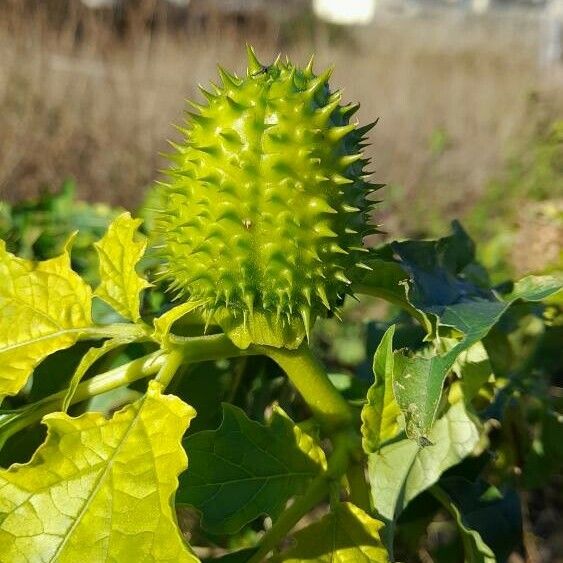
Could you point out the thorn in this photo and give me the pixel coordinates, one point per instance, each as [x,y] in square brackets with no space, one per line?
[211,150]
[254,66]
[350,209]
[206,94]
[364,266]
[322,294]
[195,105]
[235,105]
[365,128]
[227,78]
[349,110]
[341,277]
[317,83]
[306,316]
[325,231]
[324,113]
[337,249]
[340,180]
[309,67]
[200,119]
[350,159]
[337,133]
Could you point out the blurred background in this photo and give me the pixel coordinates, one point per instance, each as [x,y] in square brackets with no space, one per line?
[469,96]
[468,92]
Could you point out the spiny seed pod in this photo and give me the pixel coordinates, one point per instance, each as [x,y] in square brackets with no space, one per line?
[263,214]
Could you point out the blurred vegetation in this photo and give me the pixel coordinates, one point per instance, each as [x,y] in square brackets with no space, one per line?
[519,218]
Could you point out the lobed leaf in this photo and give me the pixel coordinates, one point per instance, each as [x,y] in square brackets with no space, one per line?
[119,253]
[346,534]
[245,469]
[44,307]
[99,489]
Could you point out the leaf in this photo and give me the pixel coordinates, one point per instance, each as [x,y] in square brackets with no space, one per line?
[418,380]
[98,489]
[119,254]
[402,470]
[163,324]
[346,534]
[389,280]
[380,413]
[44,307]
[489,522]
[475,369]
[88,360]
[245,469]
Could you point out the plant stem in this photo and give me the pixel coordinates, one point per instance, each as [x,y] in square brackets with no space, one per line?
[172,362]
[318,490]
[359,490]
[310,379]
[213,347]
[122,375]
[119,329]
[191,350]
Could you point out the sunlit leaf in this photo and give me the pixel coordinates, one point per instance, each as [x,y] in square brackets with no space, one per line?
[119,252]
[400,471]
[245,469]
[99,489]
[44,307]
[418,379]
[88,360]
[381,411]
[344,535]
[163,324]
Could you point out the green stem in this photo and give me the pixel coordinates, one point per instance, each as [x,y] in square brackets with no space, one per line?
[121,330]
[173,361]
[213,347]
[122,375]
[189,350]
[318,490]
[359,490]
[310,378]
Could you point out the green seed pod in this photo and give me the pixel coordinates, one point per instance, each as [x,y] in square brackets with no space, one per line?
[263,213]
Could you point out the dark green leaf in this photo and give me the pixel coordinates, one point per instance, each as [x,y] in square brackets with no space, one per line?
[245,469]
[489,522]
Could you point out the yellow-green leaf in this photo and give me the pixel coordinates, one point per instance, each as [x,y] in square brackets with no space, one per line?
[381,412]
[344,535]
[44,307]
[163,324]
[88,360]
[99,489]
[119,252]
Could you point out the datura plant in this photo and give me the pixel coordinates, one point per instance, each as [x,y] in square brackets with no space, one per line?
[211,429]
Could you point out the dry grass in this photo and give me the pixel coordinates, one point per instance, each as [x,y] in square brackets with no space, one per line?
[452,94]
